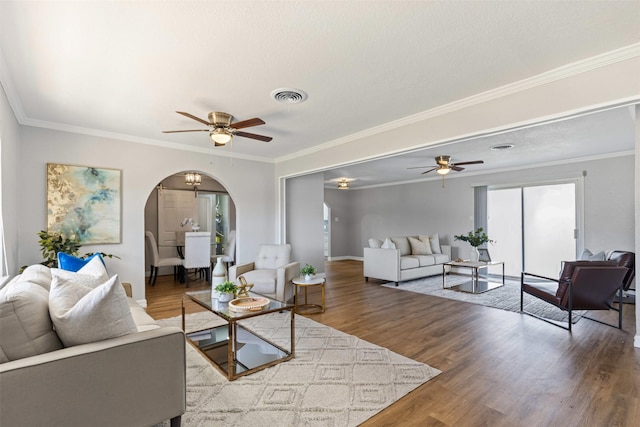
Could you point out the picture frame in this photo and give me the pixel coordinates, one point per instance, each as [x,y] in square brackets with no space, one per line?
[85,202]
[483,255]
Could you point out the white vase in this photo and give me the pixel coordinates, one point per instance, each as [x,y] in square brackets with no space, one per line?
[474,255]
[224,297]
[307,277]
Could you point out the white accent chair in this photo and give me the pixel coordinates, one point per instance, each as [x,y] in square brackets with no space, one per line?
[228,257]
[160,262]
[270,273]
[197,253]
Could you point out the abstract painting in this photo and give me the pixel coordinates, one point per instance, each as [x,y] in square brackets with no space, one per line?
[84,202]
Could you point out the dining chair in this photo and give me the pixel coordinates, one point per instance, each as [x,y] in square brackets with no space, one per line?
[160,262]
[197,253]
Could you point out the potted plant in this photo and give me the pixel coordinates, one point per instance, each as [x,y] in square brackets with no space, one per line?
[225,291]
[308,271]
[475,239]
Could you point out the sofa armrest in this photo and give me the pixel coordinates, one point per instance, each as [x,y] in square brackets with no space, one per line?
[127,289]
[446,249]
[136,379]
[239,269]
[383,264]
[284,287]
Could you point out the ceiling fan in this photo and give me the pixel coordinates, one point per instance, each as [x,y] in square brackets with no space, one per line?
[221,129]
[444,166]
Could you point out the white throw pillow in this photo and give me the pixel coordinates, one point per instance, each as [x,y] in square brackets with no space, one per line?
[434,240]
[388,244]
[374,243]
[25,326]
[82,314]
[92,274]
[587,255]
[419,246]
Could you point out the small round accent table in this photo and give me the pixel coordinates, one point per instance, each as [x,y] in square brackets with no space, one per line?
[301,282]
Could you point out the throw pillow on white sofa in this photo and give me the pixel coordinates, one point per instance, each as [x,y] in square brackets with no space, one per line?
[83,314]
[388,244]
[92,274]
[25,325]
[375,243]
[420,246]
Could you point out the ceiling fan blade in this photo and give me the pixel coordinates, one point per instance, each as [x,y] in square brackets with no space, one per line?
[254,136]
[430,170]
[191,116]
[247,123]
[191,130]
[418,167]
[456,168]
[474,162]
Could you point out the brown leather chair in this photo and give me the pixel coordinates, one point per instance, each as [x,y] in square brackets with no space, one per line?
[624,259]
[582,285]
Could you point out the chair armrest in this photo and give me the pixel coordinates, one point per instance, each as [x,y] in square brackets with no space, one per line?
[524,273]
[383,264]
[446,249]
[284,287]
[239,269]
[136,379]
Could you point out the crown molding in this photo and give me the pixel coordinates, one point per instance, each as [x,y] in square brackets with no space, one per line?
[565,71]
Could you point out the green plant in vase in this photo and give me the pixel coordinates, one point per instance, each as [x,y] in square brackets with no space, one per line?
[475,239]
[308,271]
[226,291]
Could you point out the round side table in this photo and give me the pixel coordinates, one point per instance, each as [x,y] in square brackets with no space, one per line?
[306,284]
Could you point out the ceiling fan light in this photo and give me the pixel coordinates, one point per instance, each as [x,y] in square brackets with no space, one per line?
[220,136]
[343,185]
[443,170]
[192,178]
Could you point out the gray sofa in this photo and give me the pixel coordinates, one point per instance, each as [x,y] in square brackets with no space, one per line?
[138,379]
[404,260]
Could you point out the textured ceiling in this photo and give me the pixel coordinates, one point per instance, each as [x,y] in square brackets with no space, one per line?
[123,68]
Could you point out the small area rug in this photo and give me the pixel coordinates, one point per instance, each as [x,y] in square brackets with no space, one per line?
[506,297]
[335,379]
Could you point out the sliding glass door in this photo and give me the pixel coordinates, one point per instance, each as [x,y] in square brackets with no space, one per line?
[534,227]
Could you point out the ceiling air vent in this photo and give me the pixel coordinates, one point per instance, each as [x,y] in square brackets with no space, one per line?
[289,96]
[502,147]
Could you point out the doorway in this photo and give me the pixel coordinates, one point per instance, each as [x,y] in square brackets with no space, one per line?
[535,226]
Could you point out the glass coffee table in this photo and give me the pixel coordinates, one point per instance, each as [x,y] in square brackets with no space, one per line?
[478,284]
[233,348]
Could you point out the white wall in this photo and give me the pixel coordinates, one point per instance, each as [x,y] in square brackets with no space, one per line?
[10,138]
[249,183]
[338,201]
[305,231]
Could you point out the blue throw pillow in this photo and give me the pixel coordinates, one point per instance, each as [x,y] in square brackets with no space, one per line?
[73,263]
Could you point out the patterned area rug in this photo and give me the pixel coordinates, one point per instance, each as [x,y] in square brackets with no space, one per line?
[335,379]
[506,297]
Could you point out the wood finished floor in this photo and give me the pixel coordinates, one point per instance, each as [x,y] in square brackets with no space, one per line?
[499,368]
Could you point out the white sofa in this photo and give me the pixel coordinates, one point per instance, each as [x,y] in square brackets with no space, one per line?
[137,379]
[398,259]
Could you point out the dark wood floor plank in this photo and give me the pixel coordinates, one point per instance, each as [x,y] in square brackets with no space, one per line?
[499,368]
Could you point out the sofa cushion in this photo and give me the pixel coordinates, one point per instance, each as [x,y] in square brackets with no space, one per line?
[272,256]
[402,244]
[73,263]
[419,247]
[83,314]
[375,243]
[425,260]
[92,274]
[407,262]
[25,326]
[143,321]
[441,258]
[38,274]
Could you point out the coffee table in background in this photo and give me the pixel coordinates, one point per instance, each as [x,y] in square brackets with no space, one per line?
[478,284]
[233,348]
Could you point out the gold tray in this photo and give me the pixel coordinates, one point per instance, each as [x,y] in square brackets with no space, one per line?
[248,304]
